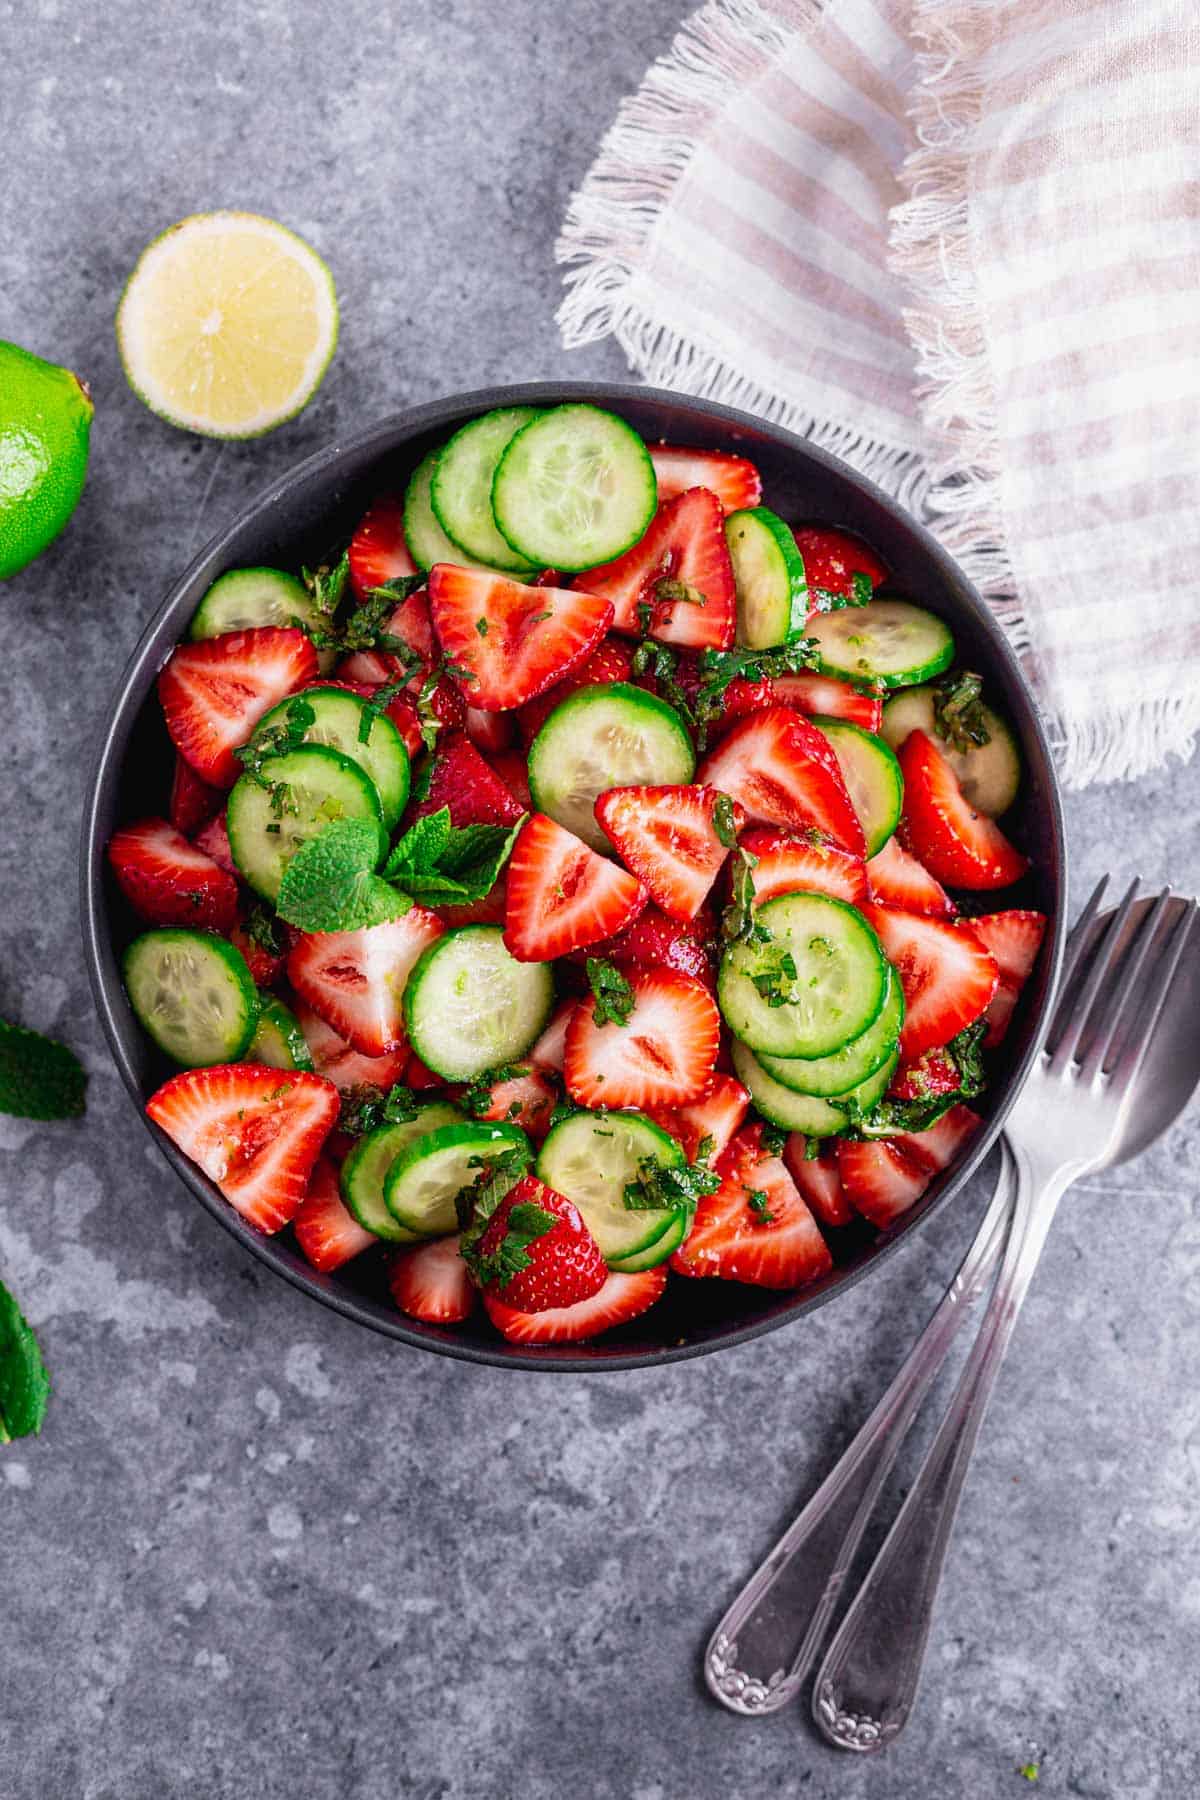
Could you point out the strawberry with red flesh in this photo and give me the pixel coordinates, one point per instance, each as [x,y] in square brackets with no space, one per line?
[947,976]
[534,1251]
[824,696]
[355,979]
[680,570]
[674,839]
[262,945]
[431,1282]
[883,1177]
[378,552]
[461,779]
[1014,939]
[896,878]
[927,1078]
[168,881]
[490,732]
[755,1228]
[622,1299]
[562,895]
[550,1048]
[212,840]
[653,941]
[708,1123]
[782,771]
[512,770]
[519,1096]
[611,660]
[818,1180]
[345,1066]
[734,480]
[962,847]
[506,642]
[788,865]
[662,1052]
[214,692]
[192,803]
[831,561]
[326,1231]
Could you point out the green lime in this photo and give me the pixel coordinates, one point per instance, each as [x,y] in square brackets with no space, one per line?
[45,418]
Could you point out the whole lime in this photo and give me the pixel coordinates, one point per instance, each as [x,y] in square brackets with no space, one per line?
[45,419]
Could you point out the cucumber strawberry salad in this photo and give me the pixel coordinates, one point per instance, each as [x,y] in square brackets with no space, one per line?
[561,887]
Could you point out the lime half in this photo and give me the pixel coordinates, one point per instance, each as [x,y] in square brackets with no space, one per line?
[45,422]
[227,324]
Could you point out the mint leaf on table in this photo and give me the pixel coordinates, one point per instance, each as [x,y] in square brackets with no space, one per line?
[331,885]
[39,1078]
[24,1383]
[442,863]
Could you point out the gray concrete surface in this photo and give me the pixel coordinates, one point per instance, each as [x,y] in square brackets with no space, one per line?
[257,1552]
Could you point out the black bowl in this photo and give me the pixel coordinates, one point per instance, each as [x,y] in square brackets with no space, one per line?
[296,521]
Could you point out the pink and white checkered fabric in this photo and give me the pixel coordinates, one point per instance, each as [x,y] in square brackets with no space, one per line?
[958,243]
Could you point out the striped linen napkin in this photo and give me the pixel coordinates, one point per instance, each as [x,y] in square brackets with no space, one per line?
[957,242]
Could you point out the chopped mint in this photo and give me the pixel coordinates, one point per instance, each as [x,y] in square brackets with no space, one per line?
[738,924]
[366,1107]
[958,710]
[39,1078]
[24,1383]
[723,821]
[331,885]
[524,1225]
[611,992]
[659,1184]
[276,740]
[759,1202]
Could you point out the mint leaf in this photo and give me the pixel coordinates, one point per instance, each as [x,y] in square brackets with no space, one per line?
[442,863]
[24,1383]
[422,844]
[39,1078]
[958,710]
[611,992]
[759,1202]
[331,885]
[888,1116]
[724,823]
[475,1203]
[524,1225]
[719,667]
[737,921]
[659,1184]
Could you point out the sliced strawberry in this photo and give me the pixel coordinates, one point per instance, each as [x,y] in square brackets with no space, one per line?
[378,552]
[827,697]
[685,543]
[168,881]
[401,709]
[878,1179]
[956,844]
[355,979]
[542,1230]
[755,1228]
[561,895]
[514,641]
[346,1067]
[926,1078]
[947,976]
[734,481]
[668,836]
[896,878]
[832,558]
[818,1180]
[431,1282]
[265,965]
[611,660]
[411,622]
[1014,939]
[214,693]
[525,1099]
[489,731]
[213,840]
[743,696]
[622,1298]
[462,780]
[935,1149]
[256,1132]
[327,1233]
[712,1120]
[789,865]
[654,941]
[193,803]
[551,1047]
[783,771]
[510,767]
[664,1054]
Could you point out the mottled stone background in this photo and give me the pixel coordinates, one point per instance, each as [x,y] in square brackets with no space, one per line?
[259,1552]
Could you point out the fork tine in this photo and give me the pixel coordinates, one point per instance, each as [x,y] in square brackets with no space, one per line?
[1078,935]
[1113,1006]
[1073,1010]
[1155,998]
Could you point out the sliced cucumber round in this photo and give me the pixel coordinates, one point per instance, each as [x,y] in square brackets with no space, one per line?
[808,1113]
[989,774]
[278,1040]
[194,995]
[461,491]
[872,776]
[345,722]
[610,735]
[856,1062]
[306,789]
[469,1005]
[421,1186]
[365,1169]
[427,542]
[887,640]
[574,488]
[590,1157]
[817,981]
[248,599]
[768,574]
[661,1248]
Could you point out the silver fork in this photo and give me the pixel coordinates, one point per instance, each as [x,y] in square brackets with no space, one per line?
[1068,1120]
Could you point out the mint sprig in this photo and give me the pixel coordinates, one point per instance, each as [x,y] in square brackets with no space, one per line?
[24,1383]
[445,864]
[331,885]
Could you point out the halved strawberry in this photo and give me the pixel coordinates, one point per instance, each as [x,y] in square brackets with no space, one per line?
[713,1120]
[668,836]
[653,941]
[956,844]
[611,660]
[664,1053]
[212,840]
[490,731]
[419,1078]
[193,802]
[878,1179]
[551,1047]
[1014,939]
[346,1067]
[525,1099]
[755,1228]
[684,544]
[461,779]
[783,771]
[256,1132]
[743,696]
[935,1149]
[355,979]
[827,697]
[264,964]
[562,895]
[535,1252]
[818,1180]
[213,693]
[947,976]
[896,878]
[511,641]
[411,622]
[168,881]
[401,709]
[431,1282]
[832,558]
[510,767]
[926,1078]
[622,1298]
[327,1233]
[734,481]
[378,552]
[788,865]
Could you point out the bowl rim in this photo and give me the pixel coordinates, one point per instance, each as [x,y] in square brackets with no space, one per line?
[386,437]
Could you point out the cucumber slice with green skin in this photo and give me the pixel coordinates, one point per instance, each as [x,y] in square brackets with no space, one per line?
[461,491]
[194,995]
[278,1040]
[824,972]
[421,1185]
[989,774]
[365,1169]
[427,542]
[345,722]
[661,1248]
[887,640]
[610,735]
[589,1158]
[856,1062]
[574,488]
[872,776]
[469,1005]
[808,1113]
[248,599]
[768,574]
[309,787]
